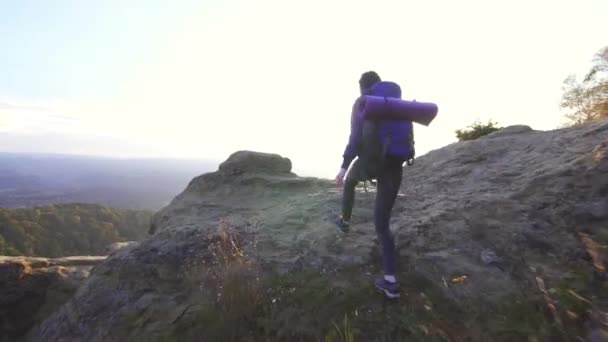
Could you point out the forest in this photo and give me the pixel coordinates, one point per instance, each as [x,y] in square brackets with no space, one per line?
[69,229]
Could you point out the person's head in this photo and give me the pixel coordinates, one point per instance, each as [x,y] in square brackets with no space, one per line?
[367,80]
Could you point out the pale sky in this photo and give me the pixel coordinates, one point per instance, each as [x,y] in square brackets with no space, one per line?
[202,79]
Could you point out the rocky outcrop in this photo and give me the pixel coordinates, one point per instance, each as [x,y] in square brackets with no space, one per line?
[255,162]
[495,236]
[510,130]
[32,288]
[116,246]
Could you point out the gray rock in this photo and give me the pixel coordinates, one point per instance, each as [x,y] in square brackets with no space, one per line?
[116,246]
[32,288]
[514,192]
[510,130]
[255,162]
[488,256]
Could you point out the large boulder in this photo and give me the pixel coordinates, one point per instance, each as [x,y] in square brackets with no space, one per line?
[255,162]
[498,239]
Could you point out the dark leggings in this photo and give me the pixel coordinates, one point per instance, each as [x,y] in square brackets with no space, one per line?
[388,184]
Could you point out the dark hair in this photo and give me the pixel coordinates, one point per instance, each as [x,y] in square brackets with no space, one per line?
[368,79]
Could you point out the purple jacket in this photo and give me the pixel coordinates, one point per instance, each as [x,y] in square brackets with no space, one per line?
[352,148]
[382,88]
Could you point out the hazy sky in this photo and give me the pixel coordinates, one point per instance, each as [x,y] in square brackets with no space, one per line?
[202,79]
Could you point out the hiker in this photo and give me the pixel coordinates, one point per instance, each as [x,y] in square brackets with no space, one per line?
[386,168]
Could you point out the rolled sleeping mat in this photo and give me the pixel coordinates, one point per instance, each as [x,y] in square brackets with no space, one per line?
[388,108]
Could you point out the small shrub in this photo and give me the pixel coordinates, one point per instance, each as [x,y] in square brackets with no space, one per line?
[234,285]
[476,130]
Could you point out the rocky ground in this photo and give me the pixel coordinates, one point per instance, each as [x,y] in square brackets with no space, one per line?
[32,288]
[500,239]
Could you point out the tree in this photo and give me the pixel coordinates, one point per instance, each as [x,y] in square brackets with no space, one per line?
[476,130]
[61,230]
[587,100]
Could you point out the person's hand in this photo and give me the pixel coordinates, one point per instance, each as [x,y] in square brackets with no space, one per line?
[340,177]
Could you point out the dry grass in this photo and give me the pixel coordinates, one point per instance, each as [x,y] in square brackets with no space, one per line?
[233,282]
[341,333]
[574,306]
[595,250]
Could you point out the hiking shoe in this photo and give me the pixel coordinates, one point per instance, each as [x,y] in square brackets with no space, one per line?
[391,290]
[341,224]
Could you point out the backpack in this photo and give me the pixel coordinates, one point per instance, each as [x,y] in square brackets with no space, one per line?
[385,138]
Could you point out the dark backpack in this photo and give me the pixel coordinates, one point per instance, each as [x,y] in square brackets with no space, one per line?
[385,138]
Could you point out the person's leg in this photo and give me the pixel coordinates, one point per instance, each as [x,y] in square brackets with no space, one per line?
[389,182]
[348,196]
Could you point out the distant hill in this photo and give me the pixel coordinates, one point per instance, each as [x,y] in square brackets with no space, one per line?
[41,179]
[69,229]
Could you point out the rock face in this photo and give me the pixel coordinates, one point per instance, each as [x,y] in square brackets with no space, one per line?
[116,246]
[482,223]
[255,162]
[517,129]
[32,288]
